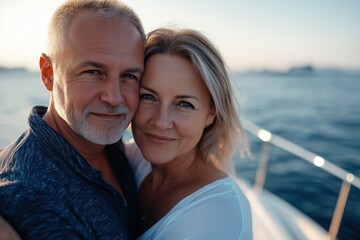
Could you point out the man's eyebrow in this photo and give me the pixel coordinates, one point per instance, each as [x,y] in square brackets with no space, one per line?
[87,64]
[92,63]
[100,65]
[134,70]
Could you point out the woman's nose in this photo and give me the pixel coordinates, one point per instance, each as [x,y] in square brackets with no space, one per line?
[162,118]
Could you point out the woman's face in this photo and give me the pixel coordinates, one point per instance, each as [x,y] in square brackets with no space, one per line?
[174,108]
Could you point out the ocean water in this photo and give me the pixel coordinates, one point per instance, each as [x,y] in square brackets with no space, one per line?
[321,114]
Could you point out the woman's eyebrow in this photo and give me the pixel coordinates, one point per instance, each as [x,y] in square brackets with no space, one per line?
[148,89]
[187,96]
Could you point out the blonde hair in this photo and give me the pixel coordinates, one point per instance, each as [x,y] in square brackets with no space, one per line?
[221,138]
[105,10]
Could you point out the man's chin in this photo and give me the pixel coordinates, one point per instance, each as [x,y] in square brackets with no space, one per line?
[100,134]
[103,140]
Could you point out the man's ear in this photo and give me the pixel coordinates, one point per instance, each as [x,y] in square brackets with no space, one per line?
[46,72]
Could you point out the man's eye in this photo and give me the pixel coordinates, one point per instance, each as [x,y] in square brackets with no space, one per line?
[130,76]
[92,71]
[186,104]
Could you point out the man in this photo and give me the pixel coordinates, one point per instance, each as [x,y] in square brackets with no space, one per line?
[67,176]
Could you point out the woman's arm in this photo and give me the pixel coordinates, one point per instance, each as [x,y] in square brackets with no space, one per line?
[6,231]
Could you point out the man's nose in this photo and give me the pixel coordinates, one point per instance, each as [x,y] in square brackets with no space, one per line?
[112,92]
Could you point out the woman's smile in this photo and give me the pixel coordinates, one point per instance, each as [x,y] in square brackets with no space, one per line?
[159,139]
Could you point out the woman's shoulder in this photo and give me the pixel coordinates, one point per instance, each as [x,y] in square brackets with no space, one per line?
[140,167]
[218,210]
[219,196]
[224,187]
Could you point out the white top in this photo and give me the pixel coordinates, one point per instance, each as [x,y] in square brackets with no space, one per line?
[216,211]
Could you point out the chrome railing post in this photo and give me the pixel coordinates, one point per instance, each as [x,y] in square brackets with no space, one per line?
[339,210]
[262,168]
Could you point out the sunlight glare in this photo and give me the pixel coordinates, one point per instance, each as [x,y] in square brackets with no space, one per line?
[350,177]
[318,161]
[264,135]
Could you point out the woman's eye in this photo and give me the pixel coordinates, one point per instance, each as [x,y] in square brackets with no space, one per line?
[146,96]
[186,105]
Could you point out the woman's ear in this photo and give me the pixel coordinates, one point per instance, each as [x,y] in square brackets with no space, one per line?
[210,118]
[46,72]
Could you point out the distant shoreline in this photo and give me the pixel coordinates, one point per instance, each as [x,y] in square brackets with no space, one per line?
[303,71]
[15,69]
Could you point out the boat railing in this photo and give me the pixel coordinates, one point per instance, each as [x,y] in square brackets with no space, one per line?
[348,179]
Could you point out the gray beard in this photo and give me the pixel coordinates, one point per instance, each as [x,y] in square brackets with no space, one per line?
[108,133]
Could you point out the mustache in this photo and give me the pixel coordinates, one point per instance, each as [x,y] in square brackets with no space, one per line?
[100,108]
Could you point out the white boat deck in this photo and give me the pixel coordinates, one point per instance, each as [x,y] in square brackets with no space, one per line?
[274,218]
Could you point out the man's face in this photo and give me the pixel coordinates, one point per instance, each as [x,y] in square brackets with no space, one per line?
[96,78]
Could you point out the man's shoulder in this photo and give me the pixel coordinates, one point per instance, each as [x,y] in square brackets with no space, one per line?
[14,155]
[22,165]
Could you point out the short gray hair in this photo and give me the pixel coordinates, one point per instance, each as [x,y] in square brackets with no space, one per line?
[221,138]
[106,10]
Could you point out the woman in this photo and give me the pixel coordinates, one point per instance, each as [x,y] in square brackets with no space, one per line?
[6,230]
[187,127]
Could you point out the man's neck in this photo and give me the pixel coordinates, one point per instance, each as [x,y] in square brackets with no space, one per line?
[91,152]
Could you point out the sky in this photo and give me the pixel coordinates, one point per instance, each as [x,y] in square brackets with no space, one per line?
[250,34]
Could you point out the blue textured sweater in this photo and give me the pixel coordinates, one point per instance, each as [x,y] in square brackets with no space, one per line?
[49,191]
